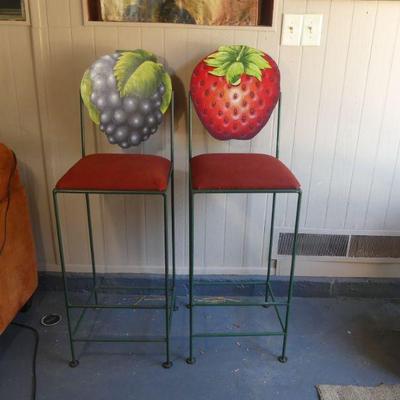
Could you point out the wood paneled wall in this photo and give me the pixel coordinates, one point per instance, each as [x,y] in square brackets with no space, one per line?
[340,133]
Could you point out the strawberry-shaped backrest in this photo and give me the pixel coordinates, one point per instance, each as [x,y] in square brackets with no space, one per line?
[126,94]
[234,91]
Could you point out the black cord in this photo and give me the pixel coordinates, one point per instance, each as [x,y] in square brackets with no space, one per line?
[8,197]
[35,351]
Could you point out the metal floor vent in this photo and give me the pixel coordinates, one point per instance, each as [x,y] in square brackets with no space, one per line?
[374,246]
[365,246]
[314,244]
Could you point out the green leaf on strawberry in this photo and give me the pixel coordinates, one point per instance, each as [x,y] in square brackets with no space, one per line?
[251,70]
[234,73]
[234,61]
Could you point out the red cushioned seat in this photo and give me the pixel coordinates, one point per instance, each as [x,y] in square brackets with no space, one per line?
[240,171]
[117,172]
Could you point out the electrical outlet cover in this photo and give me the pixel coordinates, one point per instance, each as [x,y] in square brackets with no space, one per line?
[291,29]
[312,29]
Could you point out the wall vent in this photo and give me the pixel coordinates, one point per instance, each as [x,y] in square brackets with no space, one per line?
[310,244]
[314,244]
[374,246]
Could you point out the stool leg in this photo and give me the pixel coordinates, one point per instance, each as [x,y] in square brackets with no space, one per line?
[92,259]
[167,363]
[175,307]
[271,238]
[173,230]
[191,359]
[283,357]
[74,362]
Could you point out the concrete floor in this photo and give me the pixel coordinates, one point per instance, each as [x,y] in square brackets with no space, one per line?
[332,341]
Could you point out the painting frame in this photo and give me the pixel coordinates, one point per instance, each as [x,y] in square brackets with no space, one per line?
[190,12]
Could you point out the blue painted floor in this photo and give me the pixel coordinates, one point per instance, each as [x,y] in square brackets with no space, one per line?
[332,341]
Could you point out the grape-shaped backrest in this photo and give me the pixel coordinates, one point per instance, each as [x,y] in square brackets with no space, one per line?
[126,93]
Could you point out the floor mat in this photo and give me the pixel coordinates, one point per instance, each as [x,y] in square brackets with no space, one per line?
[381,392]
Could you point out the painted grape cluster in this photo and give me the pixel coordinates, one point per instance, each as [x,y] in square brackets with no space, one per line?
[126,94]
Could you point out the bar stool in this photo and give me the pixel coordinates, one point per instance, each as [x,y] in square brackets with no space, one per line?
[241,173]
[102,174]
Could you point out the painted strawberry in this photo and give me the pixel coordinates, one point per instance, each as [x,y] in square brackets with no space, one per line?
[234,91]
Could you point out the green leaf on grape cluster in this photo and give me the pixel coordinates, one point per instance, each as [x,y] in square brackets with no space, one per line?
[86,91]
[166,81]
[127,64]
[144,81]
[138,73]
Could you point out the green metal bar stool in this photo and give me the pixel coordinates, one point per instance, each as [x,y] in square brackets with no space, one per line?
[100,174]
[228,173]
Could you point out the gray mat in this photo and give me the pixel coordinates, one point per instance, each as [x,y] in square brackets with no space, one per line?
[382,392]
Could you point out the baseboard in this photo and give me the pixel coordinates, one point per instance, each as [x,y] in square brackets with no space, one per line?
[306,266]
[339,267]
[304,286]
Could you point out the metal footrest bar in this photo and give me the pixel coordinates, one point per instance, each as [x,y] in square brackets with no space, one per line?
[138,339]
[278,314]
[128,306]
[156,289]
[171,311]
[100,306]
[238,283]
[237,334]
[135,305]
[83,312]
[235,303]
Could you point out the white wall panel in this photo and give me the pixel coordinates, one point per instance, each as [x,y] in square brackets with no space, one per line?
[330,99]
[387,150]
[354,86]
[369,130]
[340,133]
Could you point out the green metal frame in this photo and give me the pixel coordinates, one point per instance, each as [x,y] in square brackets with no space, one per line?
[270,299]
[169,284]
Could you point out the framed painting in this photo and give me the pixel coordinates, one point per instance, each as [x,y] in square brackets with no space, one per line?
[12,10]
[199,12]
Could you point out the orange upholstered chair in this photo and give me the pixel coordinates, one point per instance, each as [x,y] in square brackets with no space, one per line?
[18,267]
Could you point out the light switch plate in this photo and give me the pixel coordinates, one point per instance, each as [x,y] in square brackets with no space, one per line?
[292,26]
[312,29]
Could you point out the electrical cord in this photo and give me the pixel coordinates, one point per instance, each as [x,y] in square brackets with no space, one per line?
[35,351]
[8,197]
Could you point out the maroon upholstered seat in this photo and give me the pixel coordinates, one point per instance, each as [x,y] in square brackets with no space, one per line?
[250,171]
[117,172]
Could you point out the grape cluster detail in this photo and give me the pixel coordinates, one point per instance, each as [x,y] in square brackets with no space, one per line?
[126,121]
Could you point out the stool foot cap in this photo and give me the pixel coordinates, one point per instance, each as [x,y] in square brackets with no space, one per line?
[266,305]
[190,360]
[167,364]
[282,359]
[73,363]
